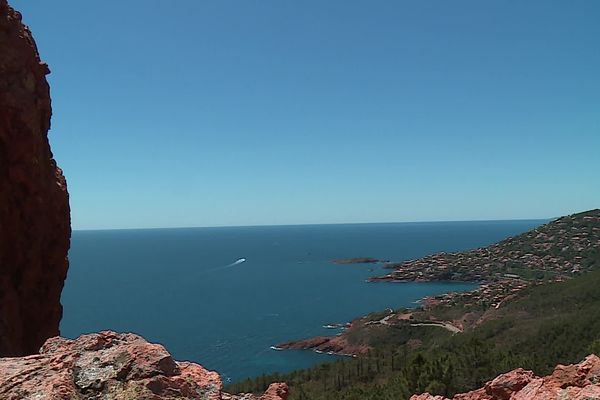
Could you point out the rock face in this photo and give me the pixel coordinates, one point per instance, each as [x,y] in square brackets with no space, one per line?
[34,206]
[576,382]
[111,366]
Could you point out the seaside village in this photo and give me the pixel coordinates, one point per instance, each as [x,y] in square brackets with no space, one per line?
[504,269]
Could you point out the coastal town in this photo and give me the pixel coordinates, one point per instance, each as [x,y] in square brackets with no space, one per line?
[555,252]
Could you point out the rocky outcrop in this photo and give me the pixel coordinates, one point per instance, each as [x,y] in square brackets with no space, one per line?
[34,207]
[111,366]
[275,391]
[577,382]
[359,260]
[326,344]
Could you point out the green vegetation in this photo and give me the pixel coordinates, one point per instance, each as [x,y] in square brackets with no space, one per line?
[554,250]
[540,306]
[544,325]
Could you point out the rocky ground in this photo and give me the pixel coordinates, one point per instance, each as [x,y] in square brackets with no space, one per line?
[112,366]
[575,382]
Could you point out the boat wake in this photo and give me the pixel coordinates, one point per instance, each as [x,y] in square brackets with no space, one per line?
[236,262]
[233,264]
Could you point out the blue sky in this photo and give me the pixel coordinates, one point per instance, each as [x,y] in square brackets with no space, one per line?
[207,113]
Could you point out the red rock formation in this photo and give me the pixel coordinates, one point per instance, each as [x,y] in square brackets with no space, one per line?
[113,366]
[34,207]
[276,391]
[326,344]
[577,382]
[426,396]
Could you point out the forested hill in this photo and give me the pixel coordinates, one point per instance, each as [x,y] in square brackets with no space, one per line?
[557,249]
[546,325]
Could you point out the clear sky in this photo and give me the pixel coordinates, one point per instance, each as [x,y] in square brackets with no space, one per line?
[205,113]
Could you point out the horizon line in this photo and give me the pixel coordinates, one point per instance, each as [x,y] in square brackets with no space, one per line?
[313,224]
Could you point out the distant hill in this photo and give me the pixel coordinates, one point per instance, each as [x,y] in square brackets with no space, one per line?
[559,249]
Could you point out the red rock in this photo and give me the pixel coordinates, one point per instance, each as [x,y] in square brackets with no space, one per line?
[102,364]
[34,206]
[427,396]
[479,394]
[310,343]
[577,375]
[326,344]
[534,390]
[505,385]
[109,365]
[276,391]
[587,393]
[579,381]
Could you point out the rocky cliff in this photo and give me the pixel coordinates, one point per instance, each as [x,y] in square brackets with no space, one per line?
[112,366]
[34,207]
[577,382]
[34,240]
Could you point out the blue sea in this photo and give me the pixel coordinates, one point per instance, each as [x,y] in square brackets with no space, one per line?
[183,287]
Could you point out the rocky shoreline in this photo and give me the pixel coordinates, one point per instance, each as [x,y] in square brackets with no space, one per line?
[359,260]
[553,252]
[337,345]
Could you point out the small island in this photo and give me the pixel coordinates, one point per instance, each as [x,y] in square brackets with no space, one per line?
[359,260]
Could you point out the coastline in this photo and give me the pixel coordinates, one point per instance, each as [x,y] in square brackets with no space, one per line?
[553,252]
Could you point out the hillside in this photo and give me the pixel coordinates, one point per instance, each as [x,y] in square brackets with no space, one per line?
[544,323]
[560,250]
[556,251]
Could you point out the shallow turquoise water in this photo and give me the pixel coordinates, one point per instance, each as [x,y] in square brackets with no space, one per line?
[173,286]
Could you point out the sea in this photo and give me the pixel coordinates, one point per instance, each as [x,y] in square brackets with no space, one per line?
[224,296]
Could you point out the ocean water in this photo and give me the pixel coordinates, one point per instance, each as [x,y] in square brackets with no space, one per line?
[182,287]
